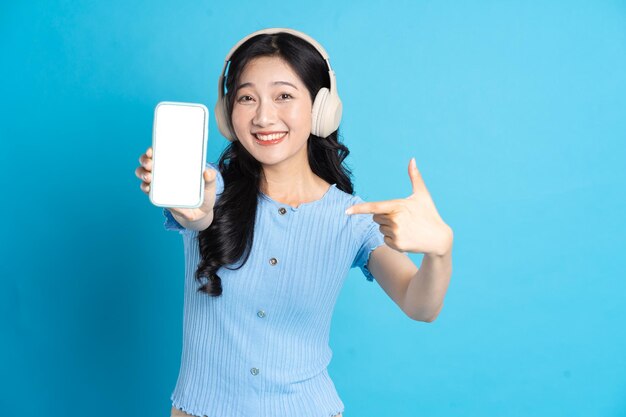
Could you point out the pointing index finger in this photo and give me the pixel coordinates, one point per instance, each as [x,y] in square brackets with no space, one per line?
[376,207]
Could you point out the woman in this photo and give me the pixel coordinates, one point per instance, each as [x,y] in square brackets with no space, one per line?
[267,253]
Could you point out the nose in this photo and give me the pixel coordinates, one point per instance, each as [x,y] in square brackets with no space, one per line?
[265,114]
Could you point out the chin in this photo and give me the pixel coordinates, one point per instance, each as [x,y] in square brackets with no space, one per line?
[269,161]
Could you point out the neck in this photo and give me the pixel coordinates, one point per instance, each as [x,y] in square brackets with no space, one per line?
[291,181]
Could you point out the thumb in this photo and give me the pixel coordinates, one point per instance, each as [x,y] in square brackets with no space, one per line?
[209,177]
[416,178]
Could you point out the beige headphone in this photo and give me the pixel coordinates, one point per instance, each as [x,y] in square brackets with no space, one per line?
[326,112]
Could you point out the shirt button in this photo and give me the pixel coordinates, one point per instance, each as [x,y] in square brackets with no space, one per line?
[260,313]
[273,261]
[254,371]
[282,210]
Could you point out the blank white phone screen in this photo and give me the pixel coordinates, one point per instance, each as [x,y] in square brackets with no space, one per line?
[179,141]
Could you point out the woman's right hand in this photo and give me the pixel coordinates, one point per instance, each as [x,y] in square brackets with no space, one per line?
[144,172]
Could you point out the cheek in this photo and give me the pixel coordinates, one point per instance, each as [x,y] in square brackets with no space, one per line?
[241,120]
[299,116]
[237,116]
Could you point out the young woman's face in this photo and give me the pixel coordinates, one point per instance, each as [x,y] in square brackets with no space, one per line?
[272,111]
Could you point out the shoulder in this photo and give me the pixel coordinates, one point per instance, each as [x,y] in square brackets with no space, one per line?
[343,197]
[355,223]
[338,201]
[360,224]
[346,200]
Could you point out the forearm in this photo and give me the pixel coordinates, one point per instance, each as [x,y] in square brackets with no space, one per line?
[427,289]
[199,225]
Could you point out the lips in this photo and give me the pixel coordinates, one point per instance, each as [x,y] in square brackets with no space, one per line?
[272,139]
[269,135]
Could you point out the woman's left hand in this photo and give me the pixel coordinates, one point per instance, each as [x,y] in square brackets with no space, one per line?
[410,224]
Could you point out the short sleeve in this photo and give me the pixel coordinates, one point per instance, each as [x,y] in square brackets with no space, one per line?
[171,223]
[368,237]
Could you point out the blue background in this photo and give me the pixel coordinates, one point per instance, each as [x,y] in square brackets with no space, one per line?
[514,110]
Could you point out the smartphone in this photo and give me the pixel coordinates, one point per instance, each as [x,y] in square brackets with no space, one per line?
[179,145]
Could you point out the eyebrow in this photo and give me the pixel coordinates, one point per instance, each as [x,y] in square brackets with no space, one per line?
[274,83]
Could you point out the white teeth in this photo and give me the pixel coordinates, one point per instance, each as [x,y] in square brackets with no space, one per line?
[270,137]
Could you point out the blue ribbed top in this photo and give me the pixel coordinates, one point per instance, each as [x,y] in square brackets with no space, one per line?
[261,348]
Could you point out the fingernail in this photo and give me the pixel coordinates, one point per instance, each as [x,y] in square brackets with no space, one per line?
[348,211]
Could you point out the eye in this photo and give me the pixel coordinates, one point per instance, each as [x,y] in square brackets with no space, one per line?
[286,96]
[244,99]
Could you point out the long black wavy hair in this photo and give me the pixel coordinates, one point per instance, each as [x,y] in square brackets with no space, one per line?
[230,236]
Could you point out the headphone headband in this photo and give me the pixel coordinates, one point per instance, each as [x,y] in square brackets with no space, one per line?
[271,31]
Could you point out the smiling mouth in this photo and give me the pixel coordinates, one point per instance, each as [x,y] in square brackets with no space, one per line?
[270,139]
[272,136]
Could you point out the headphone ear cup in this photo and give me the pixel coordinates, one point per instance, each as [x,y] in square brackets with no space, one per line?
[333,110]
[326,113]
[317,113]
[222,119]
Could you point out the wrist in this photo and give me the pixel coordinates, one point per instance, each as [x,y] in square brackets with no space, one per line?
[446,246]
[199,225]
[203,223]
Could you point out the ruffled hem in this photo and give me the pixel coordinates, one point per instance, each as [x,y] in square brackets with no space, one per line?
[364,268]
[331,414]
[185,410]
[171,224]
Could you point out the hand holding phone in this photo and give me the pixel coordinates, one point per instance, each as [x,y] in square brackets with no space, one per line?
[173,168]
[144,172]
